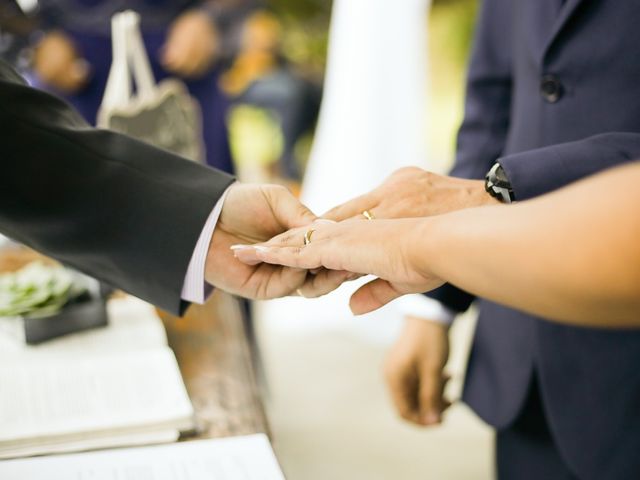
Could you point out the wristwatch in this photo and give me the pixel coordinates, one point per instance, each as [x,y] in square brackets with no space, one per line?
[497,184]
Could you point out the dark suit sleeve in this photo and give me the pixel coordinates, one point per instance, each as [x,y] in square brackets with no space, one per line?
[482,136]
[539,171]
[118,209]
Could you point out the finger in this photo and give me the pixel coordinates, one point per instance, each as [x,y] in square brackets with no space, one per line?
[402,385]
[306,258]
[372,296]
[296,236]
[350,209]
[283,256]
[430,395]
[247,254]
[291,238]
[287,210]
[326,281]
[282,281]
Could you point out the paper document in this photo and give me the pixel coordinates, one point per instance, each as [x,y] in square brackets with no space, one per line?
[115,386]
[42,404]
[237,458]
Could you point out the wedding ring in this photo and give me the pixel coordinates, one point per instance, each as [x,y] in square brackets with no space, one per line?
[307,236]
[368,215]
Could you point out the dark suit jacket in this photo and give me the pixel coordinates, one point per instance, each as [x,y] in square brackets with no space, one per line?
[118,209]
[554,94]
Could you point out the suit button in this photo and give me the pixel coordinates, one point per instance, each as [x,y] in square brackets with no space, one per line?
[551,88]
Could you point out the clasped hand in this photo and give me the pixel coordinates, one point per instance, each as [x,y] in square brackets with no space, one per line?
[391,247]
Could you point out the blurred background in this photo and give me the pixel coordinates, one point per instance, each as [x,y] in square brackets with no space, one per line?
[327,98]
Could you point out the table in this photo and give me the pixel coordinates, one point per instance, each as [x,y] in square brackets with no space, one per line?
[214,354]
[215,358]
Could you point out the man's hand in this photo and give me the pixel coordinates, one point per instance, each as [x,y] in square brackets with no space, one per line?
[192,45]
[414,371]
[58,64]
[413,192]
[252,214]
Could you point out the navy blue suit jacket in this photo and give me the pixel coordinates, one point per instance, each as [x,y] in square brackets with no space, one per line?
[554,95]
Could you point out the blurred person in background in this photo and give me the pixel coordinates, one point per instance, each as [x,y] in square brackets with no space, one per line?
[271,99]
[184,38]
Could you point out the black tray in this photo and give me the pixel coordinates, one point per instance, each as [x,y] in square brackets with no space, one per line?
[82,314]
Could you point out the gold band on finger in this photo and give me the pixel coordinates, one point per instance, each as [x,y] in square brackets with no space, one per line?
[368,215]
[307,236]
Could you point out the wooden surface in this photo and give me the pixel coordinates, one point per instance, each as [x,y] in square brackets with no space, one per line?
[210,343]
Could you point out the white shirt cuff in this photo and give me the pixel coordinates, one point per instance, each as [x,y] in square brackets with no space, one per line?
[427,308]
[195,289]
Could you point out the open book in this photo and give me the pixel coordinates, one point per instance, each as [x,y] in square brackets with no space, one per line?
[117,386]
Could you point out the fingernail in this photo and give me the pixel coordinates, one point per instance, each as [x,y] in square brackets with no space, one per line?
[239,247]
[431,418]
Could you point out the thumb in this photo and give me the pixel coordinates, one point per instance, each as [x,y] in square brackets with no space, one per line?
[372,296]
[287,209]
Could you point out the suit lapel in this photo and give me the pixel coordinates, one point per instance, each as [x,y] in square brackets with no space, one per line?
[539,18]
[567,10]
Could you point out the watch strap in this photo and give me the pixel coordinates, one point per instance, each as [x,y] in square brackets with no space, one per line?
[497,184]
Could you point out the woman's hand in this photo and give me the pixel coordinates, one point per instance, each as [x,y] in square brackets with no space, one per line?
[413,192]
[388,249]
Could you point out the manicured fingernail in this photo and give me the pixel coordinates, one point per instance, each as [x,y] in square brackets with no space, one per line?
[239,247]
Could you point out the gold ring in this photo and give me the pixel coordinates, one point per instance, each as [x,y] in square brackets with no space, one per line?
[368,215]
[307,236]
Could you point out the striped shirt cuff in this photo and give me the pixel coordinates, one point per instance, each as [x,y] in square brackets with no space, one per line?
[195,289]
